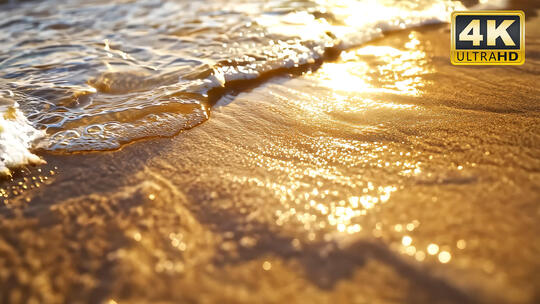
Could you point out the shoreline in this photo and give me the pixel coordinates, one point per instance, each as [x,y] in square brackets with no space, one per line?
[209,212]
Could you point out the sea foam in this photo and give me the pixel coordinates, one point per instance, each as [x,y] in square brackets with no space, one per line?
[17,137]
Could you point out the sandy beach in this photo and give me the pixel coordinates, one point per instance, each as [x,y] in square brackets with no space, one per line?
[387,175]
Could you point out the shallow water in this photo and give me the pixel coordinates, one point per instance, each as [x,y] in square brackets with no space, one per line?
[99,74]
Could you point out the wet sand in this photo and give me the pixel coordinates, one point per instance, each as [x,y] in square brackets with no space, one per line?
[305,189]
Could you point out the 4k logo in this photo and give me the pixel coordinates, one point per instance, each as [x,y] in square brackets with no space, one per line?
[488,37]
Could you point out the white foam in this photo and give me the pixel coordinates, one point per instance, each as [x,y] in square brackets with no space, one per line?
[17,137]
[360,21]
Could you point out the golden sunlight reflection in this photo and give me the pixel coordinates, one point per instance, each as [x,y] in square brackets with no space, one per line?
[445,257]
[354,20]
[434,252]
[338,202]
[24,181]
[353,13]
[432,249]
[321,197]
[396,72]
[332,187]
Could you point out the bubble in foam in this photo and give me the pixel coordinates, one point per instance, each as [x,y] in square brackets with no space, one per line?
[17,136]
